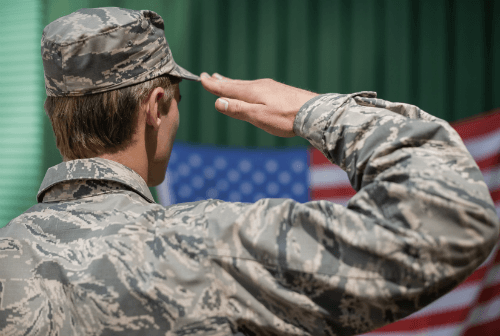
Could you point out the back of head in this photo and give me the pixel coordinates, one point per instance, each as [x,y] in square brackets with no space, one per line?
[99,64]
[90,125]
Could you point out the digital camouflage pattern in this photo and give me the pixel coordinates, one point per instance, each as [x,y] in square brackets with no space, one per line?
[101,49]
[97,256]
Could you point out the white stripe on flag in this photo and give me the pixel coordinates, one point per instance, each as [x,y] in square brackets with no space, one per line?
[340,200]
[165,193]
[485,313]
[492,177]
[493,276]
[328,176]
[451,330]
[482,147]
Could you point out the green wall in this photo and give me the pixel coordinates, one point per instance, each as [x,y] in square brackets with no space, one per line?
[21,107]
[441,55]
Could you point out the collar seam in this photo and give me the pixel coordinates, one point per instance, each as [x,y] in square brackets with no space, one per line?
[90,195]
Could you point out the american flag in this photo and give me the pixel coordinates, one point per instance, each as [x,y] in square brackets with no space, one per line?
[199,172]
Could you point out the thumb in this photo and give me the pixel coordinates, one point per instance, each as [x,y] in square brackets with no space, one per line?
[236,108]
[222,104]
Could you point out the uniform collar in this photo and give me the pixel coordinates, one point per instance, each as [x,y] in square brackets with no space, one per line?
[93,174]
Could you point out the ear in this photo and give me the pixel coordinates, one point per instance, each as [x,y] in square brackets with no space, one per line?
[152,107]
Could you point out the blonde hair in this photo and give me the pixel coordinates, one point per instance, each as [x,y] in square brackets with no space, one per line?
[91,125]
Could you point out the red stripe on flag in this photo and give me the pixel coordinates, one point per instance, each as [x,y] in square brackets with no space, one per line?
[426,321]
[489,161]
[334,192]
[495,195]
[491,328]
[497,258]
[474,277]
[317,158]
[488,293]
[479,125]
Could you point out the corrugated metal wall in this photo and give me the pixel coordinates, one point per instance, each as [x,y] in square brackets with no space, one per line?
[21,107]
[443,55]
[440,55]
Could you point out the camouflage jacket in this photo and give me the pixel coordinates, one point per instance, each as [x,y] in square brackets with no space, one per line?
[97,256]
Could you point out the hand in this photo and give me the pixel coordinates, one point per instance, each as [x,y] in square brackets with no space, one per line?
[265,103]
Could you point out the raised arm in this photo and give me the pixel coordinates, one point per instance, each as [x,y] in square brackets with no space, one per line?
[422,219]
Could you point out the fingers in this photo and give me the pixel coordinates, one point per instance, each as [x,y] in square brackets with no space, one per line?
[221,78]
[222,104]
[265,103]
[225,87]
[216,76]
[257,115]
[215,85]
[236,108]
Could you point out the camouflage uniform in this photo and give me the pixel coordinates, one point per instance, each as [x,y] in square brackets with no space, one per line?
[97,256]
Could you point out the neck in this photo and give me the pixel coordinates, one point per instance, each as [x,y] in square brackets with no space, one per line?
[132,157]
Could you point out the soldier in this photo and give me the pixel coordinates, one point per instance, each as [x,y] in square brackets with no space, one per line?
[97,256]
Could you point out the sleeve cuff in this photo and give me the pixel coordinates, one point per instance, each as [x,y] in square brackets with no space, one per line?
[317,114]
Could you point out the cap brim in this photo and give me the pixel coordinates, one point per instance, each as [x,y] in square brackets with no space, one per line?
[180,72]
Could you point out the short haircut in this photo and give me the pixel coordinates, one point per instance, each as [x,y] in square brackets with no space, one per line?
[90,125]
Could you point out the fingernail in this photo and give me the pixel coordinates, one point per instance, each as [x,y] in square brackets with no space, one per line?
[225,103]
[218,76]
[204,75]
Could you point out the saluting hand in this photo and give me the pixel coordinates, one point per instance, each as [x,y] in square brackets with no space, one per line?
[265,103]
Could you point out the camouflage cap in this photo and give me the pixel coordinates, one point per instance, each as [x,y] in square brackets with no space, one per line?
[101,49]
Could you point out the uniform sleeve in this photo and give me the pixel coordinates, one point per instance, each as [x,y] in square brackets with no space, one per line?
[421,221]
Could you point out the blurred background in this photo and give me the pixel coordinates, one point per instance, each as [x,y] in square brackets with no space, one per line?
[442,55]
